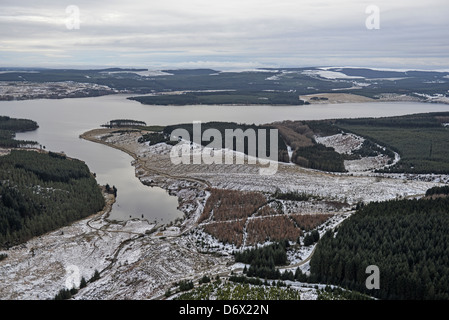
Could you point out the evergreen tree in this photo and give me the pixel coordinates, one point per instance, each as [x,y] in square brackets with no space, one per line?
[83,283]
[404,238]
[96,276]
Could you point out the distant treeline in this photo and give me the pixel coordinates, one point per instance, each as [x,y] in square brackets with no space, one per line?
[40,192]
[263,82]
[325,158]
[223,97]
[372,149]
[17,125]
[406,239]
[124,123]
[425,120]
[421,140]
[9,127]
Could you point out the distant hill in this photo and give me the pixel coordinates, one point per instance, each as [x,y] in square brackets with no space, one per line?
[373,83]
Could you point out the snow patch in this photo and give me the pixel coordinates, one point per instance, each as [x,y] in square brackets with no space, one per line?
[331,75]
[344,143]
[147,73]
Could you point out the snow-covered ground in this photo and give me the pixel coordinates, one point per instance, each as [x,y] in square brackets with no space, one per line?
[434,98]
[347,143]
[367,163]
[350,187]
[147,73]
[332,75]
[342,142]
[136,261]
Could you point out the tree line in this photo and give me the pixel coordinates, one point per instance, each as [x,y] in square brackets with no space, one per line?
[420,140]
[306,151]
[9,127]
[319,157]
[223,98]
[291,195]
[424,120]
[124,123]
[406,239]
[444,190]
[40,193]
[263,261]
[48,167]
[17,125]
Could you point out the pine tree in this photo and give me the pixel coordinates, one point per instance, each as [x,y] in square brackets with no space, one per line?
[96,276]
[83,283]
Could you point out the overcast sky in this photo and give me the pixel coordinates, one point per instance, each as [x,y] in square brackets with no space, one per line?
[225,34]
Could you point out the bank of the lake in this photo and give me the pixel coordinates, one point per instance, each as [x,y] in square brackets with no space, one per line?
[62,121]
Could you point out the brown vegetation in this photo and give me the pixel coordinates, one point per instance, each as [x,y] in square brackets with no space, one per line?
[337,205]
[308,222]
[442,119]
[295,133]
[275,228]
[225,205]
[268,210]
[227,231]
[226,214]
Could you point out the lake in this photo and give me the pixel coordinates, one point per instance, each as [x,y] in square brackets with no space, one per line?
[62,121]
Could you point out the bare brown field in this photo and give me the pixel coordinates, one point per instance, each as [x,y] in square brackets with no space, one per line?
[228,232]
[225,205]
[308,222]
[295,133]
[273,228]
[244,218]
[269,209]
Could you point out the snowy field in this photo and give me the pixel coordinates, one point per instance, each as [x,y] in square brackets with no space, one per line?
[135,261]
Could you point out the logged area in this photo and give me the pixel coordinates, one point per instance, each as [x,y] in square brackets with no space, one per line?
[250,218]
[412,144]
[421,140]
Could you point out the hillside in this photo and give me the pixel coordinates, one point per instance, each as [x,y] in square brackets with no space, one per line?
[206,86]
[41,192]
[406,239]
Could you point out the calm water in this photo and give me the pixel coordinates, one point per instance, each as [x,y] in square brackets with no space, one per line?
[62,121]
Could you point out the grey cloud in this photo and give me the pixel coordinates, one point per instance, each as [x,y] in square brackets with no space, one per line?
[253,32]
